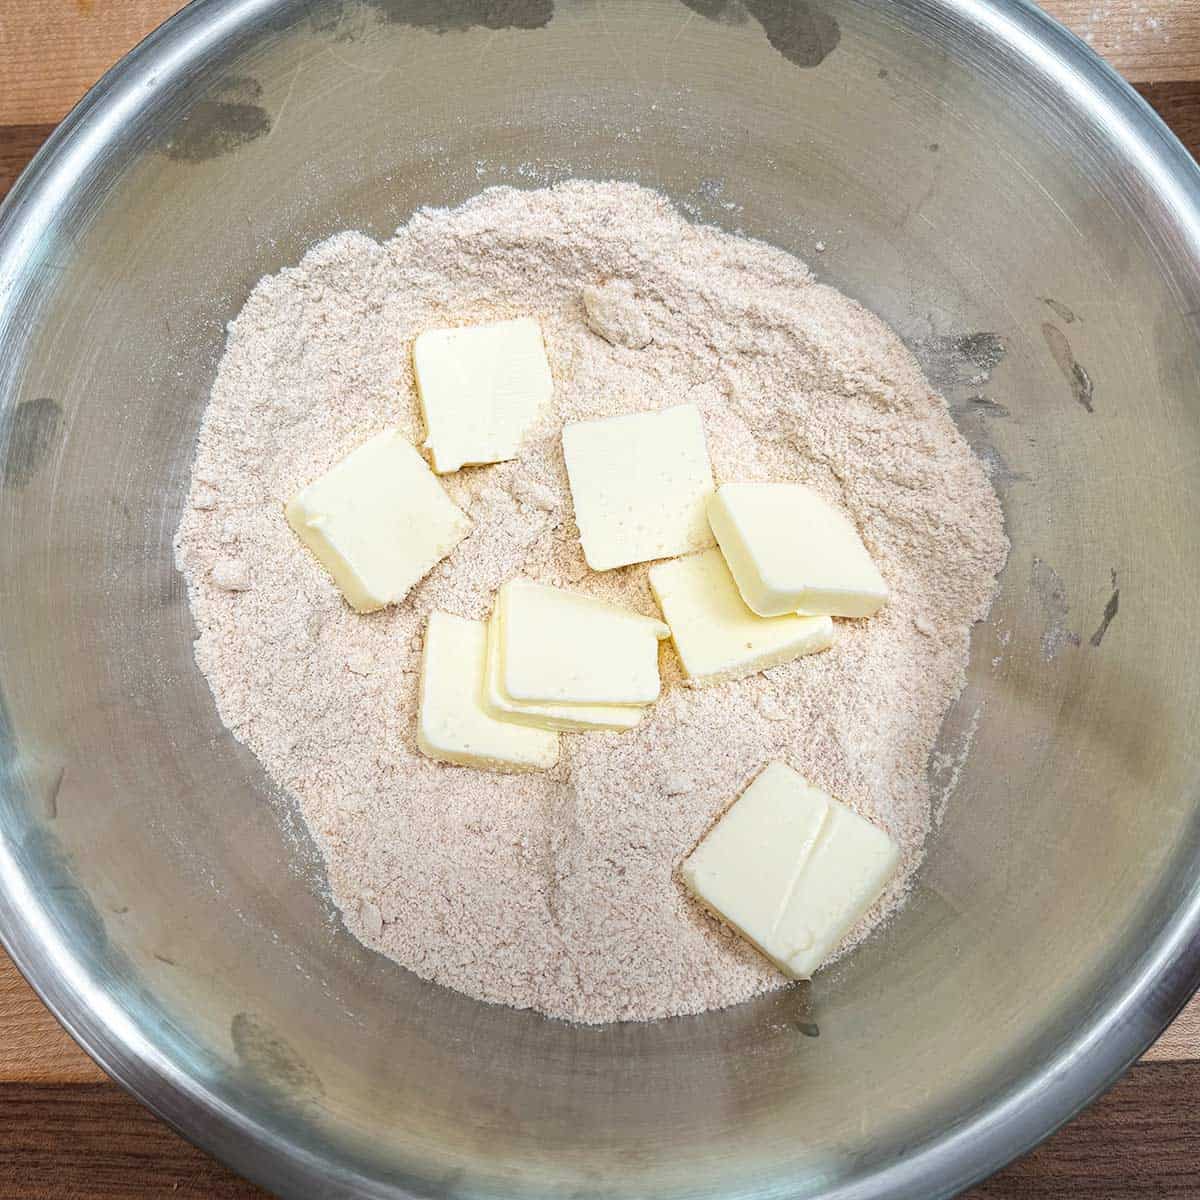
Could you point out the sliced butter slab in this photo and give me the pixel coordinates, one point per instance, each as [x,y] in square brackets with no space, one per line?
[639,484]
[718,638]
[481,387]
[791,869]
[851,864]
[563,648]
[791,551]
[378,521]
[573,718]
[453,726]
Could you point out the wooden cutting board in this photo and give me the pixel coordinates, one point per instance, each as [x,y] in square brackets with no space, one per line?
[66,1133]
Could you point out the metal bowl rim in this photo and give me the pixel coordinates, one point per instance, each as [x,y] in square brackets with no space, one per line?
[1168,972]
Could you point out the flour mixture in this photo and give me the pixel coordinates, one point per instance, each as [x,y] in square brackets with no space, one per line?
[559,891]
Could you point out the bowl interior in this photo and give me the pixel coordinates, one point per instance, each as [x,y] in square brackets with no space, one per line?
[975,180]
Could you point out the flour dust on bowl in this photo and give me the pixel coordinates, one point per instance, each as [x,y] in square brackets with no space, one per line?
[967,171]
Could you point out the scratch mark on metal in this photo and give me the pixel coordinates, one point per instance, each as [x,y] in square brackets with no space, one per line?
[52,795]
[487,45]
[687,20]
[1060,348]
[286,98]
[612,45]
[1060,310]
[1110,611]
[371,72]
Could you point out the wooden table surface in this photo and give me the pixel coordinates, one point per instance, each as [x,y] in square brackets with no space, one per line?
[66,1133]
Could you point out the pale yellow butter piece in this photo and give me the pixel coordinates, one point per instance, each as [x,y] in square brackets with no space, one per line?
[573,718]
[378,521]
[718,638]
[563,648]
[453,725]
[481,387]
[639,484]
[847,871]
[791,551]
[791,869]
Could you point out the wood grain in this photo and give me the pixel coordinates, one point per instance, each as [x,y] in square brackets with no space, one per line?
[1182,1040]
[93,1141]
[34,1047]
[1145,40]
[52,51]
[18,144]
[1140,1142]
[1178,104]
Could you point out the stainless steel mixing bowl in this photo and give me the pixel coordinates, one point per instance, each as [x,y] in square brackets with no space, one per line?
[978,178]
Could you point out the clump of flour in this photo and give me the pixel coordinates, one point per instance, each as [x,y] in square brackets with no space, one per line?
[613,311]
[557,891]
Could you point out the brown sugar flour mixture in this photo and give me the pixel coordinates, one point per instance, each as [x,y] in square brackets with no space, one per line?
[558,890]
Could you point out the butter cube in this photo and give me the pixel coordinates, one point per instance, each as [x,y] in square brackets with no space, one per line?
[453,725]
[574,718]
[791,551]
[718,638]
[559,647]
[481,387]
[378,521]
[791,869]
[639,484]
